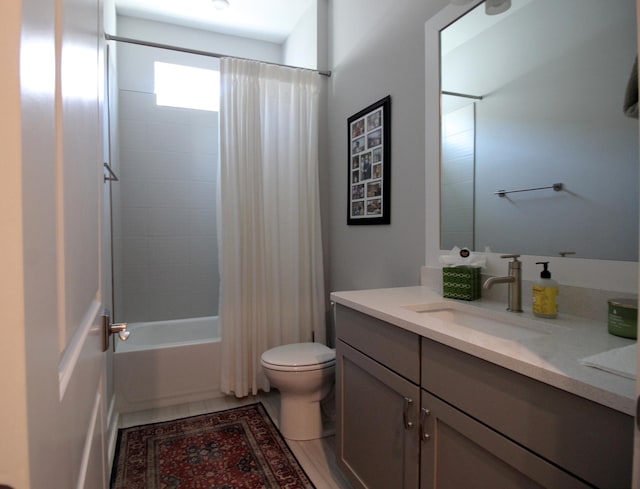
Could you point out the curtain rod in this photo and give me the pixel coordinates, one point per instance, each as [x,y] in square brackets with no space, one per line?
[128,40]
[464,95]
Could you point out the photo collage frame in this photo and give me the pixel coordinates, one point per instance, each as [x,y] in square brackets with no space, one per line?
[369,165]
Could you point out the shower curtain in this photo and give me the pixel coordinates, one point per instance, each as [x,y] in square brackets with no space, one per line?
[271,272]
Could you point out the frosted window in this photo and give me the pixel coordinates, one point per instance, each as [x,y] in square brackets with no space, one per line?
[186,87]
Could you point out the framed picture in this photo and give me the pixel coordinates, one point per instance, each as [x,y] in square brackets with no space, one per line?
[369,165]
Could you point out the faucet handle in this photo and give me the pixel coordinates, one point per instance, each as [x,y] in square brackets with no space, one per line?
[515,257]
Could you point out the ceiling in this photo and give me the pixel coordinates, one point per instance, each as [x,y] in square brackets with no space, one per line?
[271,20]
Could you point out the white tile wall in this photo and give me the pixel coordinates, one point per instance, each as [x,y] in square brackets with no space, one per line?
[135,105]
[458,160]
[134,222]
[167,198]
[201,170]
[133,135]
[168,138]
[172,250]
[164,211]
[137,251]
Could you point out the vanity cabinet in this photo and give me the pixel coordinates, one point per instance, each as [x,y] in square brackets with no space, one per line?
[377,442]
[414,413]
[543,432]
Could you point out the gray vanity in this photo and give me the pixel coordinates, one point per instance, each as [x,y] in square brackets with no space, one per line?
[427,402]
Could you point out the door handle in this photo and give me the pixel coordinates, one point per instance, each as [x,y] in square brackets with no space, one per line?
[424,436]
[405,413]
[108,328]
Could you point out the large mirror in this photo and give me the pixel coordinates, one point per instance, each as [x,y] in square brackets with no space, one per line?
[532,98]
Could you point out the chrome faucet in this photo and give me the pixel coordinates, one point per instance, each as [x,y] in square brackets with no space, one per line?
[514,279]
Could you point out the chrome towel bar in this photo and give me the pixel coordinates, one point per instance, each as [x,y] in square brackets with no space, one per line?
[556,186]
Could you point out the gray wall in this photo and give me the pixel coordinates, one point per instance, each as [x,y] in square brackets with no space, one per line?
[377,49]
[199,39]
[300,48]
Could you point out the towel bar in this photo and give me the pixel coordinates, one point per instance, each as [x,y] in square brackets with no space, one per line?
[109,178]
[556,186]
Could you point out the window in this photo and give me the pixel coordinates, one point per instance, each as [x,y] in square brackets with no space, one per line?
[186,87]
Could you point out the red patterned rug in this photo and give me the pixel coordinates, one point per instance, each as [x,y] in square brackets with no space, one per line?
[236,449]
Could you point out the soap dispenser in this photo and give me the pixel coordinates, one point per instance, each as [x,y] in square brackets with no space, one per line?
[545,294]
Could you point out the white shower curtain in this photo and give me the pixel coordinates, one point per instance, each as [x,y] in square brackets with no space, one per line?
[272,283]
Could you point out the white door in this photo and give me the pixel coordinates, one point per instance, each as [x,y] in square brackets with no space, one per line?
[79,197]
[53,381]
[636,451]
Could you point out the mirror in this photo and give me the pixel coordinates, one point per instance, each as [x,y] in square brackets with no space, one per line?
[530,98]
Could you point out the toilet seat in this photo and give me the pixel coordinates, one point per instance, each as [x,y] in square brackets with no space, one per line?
[299,357]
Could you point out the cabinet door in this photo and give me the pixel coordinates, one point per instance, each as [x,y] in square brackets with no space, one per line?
[459,452]
[377,423]
[565,429]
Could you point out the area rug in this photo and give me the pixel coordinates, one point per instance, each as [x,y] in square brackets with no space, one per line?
[239,448]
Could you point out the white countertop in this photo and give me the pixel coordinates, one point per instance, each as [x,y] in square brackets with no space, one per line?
[551,357]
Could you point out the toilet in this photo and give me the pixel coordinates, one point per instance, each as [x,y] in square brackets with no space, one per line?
[304,374]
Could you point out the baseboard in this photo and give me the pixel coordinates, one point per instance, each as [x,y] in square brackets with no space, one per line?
[113,421]
[126,406]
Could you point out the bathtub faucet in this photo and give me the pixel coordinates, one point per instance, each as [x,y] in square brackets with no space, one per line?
[109,328]
[121,329]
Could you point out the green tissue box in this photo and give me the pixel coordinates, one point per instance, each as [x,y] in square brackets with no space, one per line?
[461,283]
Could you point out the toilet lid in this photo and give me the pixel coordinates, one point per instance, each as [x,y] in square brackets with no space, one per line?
[300,355]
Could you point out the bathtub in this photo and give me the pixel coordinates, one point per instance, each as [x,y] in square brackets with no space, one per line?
[167,362]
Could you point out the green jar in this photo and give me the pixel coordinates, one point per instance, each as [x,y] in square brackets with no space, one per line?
[623,317]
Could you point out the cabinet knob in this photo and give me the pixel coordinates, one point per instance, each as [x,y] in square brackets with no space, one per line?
[424,436]
[405,414]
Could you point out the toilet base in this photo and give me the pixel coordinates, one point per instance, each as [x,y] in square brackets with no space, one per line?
[300,419]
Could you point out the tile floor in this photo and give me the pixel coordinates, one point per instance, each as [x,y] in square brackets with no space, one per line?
[317,457]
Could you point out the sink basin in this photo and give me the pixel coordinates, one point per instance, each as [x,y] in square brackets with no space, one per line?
[500,325]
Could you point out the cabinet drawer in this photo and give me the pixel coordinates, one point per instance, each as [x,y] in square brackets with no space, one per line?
[390,345]
[589,440]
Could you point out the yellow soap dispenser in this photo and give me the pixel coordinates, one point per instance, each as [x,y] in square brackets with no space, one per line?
[545,294]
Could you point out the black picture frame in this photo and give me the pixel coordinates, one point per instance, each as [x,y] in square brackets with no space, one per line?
[369,165]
